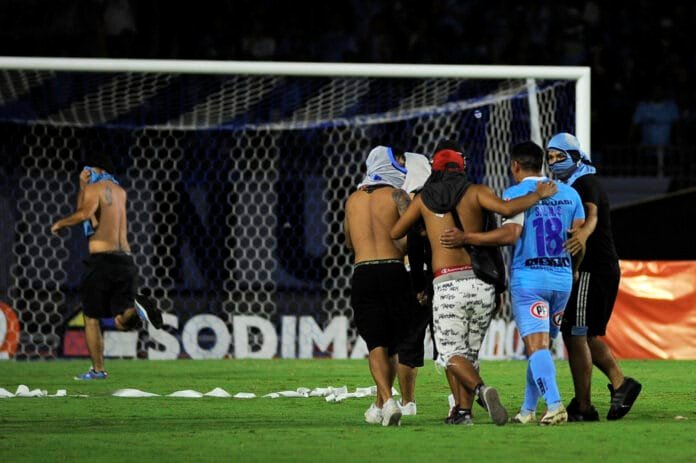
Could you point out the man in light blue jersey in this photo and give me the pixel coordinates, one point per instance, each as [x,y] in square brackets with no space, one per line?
[541,276]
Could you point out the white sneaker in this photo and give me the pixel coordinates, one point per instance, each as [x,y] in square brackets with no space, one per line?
[391,413]
[524,419]
[558,416]
[409,409]
[451,402]
[373,415]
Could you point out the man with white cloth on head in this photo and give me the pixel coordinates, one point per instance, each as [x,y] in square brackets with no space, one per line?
[411,351]
[381,294]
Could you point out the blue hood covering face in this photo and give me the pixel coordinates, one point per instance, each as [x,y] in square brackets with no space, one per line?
[569,170]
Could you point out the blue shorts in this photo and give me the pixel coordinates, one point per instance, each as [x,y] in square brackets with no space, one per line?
[538,310]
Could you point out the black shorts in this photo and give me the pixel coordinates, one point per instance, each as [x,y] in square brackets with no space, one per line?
[108,284]
[412,347]
[591,303]
[382,298]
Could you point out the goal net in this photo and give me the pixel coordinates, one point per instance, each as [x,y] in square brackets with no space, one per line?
[236,179]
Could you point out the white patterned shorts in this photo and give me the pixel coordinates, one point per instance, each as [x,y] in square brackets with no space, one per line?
[463,307]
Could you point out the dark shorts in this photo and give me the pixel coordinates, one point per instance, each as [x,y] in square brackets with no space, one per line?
[382,301]
[412,347]
[591,303]
[108,284]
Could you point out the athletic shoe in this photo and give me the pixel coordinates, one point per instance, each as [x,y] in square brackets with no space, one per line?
[460,416]
[92,374]
[391,413]
[622,398]
[454,410]
[373,415]
[495,408]
[409,409]
[148,311]
[574,413]
[480,401]
[556,417]
[529,418]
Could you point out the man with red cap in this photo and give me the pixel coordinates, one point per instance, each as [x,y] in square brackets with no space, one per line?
[463,304]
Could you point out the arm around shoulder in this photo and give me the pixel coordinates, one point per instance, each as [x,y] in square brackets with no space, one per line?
[407,220]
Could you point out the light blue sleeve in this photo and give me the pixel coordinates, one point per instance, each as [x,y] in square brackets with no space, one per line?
[512,192]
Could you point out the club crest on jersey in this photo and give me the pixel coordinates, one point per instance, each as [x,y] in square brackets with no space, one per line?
[557,318]
[539,310]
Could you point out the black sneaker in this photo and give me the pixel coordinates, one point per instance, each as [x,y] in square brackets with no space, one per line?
[574,413]
[463,417]
[148,311]
[459,416]
[480,401]
[623,397]
[453,412]
[496,410]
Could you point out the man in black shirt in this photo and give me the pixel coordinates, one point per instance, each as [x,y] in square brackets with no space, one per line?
[594,289]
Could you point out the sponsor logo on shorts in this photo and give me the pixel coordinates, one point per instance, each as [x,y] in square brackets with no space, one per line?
[557,318]
[547,262]
[539,310]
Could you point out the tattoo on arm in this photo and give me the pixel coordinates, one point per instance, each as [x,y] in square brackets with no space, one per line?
[402,200]
[107,195]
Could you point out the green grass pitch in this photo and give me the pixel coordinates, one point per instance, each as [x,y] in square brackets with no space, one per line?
[102,428]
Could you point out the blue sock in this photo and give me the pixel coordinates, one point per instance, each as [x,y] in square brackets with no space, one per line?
[531,392]
[544,373]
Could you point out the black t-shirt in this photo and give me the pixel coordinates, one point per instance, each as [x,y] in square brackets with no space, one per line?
[601,252]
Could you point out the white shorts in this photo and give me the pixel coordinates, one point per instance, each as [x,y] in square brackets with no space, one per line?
[463,307]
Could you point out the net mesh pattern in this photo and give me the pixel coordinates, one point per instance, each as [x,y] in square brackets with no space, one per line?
[236,184]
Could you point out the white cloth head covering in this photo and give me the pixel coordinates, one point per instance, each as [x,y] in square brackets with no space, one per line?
[382,169]
[418,170]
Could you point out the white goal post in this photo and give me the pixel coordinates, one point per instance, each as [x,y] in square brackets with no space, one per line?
[237,173]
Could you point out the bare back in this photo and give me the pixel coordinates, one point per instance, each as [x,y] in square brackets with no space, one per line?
[435,224]
[111,232]
[470,210]
[369,218]
[471,218]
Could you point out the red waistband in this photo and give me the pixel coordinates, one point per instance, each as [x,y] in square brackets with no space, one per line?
[446,270]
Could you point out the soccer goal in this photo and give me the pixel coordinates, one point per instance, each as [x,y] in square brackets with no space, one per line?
[236,174]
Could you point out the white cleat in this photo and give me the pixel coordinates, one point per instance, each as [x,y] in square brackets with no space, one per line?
[556,417]
[409,409]
[524,419]
[391,413]
[373,415]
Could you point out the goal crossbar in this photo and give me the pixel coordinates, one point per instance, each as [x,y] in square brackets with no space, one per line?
[580,74]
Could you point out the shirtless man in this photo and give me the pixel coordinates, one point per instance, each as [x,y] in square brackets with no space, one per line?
[381,294]
[109,281]
[463,304]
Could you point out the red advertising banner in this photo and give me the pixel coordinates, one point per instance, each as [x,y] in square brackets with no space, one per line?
[655,312]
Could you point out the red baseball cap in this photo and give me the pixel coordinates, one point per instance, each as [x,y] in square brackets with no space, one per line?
[448,160]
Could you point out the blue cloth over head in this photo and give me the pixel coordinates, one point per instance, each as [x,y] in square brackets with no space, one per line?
[568,171]
[95,177]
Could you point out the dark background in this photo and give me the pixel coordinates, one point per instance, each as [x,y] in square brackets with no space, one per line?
[631,46]
[639,52]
